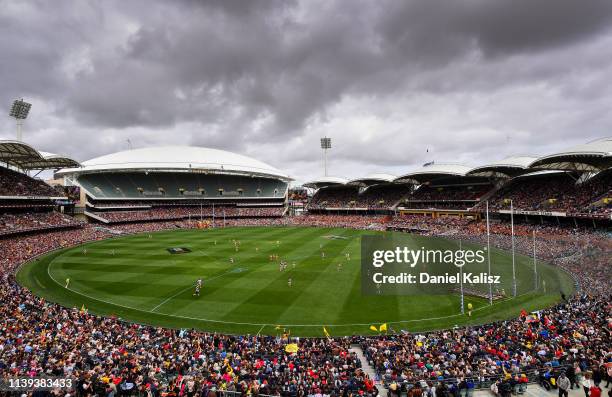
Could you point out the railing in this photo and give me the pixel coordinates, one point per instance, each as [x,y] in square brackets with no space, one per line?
[480,383]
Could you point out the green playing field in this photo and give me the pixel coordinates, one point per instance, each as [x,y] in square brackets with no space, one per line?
[149,279]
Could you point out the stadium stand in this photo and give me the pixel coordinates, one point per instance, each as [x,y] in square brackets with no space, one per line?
[107,354]
[193,212]
[556,191]
[334,197]
[178,172]
[135,185]
[380,197]
[26,222]
[458,196]
[13,183]
[111,357]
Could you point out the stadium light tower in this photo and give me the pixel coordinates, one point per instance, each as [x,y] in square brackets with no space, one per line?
[325,145]
[19,111]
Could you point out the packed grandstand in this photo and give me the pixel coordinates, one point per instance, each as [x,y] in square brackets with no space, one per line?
[566,198]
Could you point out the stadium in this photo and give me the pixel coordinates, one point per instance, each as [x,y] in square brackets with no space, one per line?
[113,252]
[339,198]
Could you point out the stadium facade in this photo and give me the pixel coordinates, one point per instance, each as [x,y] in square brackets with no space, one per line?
[182,182]
[172,176]
[572,184]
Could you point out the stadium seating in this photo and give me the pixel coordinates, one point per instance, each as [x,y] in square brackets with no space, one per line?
[381,196]
[546,192]
[14,223]
[13,183]
[557,192]
[135,185]
[333,197]
[463,195]
[373,197]
[193,212]
[106,354]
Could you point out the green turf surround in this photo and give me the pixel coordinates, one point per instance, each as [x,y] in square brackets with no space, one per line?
[143,282]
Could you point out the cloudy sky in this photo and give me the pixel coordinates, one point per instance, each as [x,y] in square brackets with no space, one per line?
[470,81]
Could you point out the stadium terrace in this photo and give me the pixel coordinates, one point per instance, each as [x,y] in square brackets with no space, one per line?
[92,292]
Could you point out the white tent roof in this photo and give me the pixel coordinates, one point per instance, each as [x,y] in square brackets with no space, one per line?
[516,164]
[24,156]
[178,158]
[376,178]
[600,147]
[435,170]
[325,181]
[590,156]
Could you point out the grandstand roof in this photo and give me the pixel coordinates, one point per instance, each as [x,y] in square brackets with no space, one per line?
[508,167]
[24,156]
[325,181]
[373,179]
[434,171]
[182,158]
[592,156]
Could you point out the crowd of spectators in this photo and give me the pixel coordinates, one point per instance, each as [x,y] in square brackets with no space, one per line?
[172,203]
[381,196]
[450,192]
[194,212]
[566,247]
[333,197]
[13,183]
[556,192]
[11,223]
[110,357]
[387,196]
[437,205]
[574,333]
[350,222]
[374,197]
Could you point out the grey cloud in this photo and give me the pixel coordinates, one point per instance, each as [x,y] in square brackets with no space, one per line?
[253,76]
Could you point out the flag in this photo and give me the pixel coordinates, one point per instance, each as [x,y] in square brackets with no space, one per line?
[383,327]
[325,332]
[83,309]
[523,313]
[373,328]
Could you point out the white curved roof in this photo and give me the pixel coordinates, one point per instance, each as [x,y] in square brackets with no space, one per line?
[325,181]
[436,169]
[376,178]
[178,158]
[586,157]
[518,164]
[600,147]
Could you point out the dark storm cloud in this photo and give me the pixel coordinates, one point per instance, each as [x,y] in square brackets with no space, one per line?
[243,74]
[442,28]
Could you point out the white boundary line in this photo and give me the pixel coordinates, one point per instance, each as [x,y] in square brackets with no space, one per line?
[169,298]
[236,269]
[264,324]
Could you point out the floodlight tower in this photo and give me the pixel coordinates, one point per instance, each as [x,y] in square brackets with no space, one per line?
[19,111]
[325,145]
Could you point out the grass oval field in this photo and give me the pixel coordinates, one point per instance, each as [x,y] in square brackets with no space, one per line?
[138,279]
